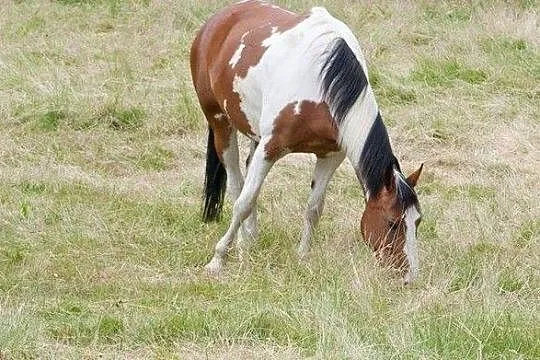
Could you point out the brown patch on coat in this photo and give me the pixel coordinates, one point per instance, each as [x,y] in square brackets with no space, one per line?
[222,134]
[311,130]
[215,45]
[383,223]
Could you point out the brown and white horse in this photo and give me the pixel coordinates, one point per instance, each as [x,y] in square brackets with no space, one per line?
[297,83]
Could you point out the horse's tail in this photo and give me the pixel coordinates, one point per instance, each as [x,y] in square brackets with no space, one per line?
[215,181]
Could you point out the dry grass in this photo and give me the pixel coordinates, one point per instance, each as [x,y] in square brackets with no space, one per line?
[101,165]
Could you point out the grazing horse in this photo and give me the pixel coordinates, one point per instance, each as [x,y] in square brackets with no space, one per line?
[297,83]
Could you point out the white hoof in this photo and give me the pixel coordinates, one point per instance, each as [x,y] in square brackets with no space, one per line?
[303,253]
[214,266]
[409,278]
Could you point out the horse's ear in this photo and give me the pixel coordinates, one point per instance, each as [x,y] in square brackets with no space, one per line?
[413,178]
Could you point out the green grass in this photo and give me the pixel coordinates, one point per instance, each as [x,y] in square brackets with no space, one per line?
[122,119]
[102,148]
[446,73]
[485,334]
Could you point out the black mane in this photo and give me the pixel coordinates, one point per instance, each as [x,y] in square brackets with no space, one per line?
[377,161]
[377,165]
[343,79]
[406,194]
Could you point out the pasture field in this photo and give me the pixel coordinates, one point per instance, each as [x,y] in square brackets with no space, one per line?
[102,148]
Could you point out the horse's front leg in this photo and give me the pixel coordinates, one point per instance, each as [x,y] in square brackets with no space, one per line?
[244,205]
[249,231]
[324,169]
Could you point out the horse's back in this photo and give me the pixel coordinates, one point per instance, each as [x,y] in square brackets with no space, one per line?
[259,63]
[220,37]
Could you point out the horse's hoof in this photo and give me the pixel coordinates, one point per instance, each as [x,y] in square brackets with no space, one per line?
[408,278]
[214,266]
[303,254]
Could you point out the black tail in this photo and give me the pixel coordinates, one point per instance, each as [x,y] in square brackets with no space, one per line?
[215,181]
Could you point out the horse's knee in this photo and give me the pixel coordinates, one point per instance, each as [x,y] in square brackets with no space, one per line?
[242,209]
[313,211]
[234,187]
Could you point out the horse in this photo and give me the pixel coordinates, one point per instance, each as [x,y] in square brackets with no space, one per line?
[297,83]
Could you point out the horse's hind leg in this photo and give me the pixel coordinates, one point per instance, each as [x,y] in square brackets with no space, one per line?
[235,183]
[324,169]
[244,205]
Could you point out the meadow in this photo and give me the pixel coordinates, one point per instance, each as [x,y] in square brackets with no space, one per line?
[102,148]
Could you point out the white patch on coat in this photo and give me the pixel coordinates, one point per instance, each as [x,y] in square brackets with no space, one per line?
[237,55]
[354,129]
[289,72]
[298,108]
[271,39]
[411,248]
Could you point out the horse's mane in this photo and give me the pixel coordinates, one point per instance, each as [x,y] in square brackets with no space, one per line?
[343,81]
[405,193]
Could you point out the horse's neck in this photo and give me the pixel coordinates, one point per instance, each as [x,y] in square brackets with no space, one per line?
[368,147]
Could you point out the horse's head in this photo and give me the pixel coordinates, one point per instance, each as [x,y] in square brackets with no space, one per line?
[390,221]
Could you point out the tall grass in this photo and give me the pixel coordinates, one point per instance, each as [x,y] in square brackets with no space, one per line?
[101,164]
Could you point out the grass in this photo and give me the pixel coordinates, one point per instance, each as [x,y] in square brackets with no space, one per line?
[445,73]
[102,147]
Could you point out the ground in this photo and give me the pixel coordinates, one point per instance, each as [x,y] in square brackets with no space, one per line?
[102,148]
